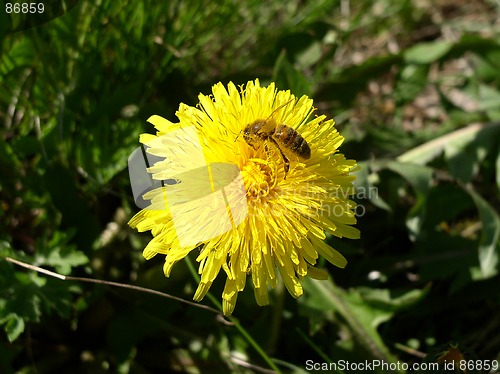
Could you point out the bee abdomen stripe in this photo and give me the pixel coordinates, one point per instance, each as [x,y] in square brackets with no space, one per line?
[285,134]
[293,140]
[291,135]
[303,149]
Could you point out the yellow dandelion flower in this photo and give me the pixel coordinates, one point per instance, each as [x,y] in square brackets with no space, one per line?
[255,200]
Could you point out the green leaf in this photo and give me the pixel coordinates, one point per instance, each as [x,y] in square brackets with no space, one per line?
[58,253]
[19,302]
[488,65]
[363,309]
[57,296]
[287,77]
[489,247]
[14,327]
[310,55]
[487,97]
[9,167]
[428,52]
[443,256]
[453,144]
[24,297]
[363,182]
[65,258]
[412,80]
[466,152]
[20,54]
[419,177]
[446,201]
[390,299]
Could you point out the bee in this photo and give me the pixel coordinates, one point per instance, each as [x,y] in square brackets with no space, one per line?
[281,135]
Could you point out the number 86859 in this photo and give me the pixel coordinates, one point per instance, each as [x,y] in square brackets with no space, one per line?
[24,8]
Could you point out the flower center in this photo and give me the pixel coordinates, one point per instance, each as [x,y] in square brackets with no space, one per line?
[260,179]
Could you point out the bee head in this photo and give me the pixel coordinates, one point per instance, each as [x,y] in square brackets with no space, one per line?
[250,131]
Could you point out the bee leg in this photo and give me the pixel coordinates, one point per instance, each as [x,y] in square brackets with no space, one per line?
[287,163]
[285,159]
[266,148]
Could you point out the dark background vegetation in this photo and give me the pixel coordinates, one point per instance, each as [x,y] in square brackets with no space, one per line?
[415,89]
